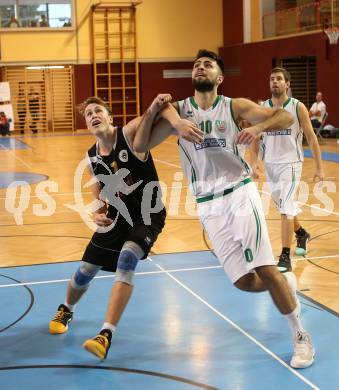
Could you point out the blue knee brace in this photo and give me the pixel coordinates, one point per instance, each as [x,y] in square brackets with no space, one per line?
[127,261]
[83,275]
[82,279]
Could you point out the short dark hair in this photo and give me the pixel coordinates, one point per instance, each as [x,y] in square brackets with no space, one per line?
[285,72]
[93,99]
[213,56]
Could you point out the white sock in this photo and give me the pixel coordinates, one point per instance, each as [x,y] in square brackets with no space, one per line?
[109,326]
[294,322]
[69,306]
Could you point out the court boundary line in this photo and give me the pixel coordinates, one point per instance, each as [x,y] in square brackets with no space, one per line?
[295,259]
[238,328]
[168,273]
[314,302]
[167,163]
[16,157]
[111,276]
[162,375]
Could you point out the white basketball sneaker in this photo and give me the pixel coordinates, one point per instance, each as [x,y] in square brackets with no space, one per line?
[303,355]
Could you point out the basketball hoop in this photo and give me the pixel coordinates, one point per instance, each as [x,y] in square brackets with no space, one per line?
[333,35]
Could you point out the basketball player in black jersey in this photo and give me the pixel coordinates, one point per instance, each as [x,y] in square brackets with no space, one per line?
[130,217]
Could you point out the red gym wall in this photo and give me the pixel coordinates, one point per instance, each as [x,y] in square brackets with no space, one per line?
[233,22]
[254,61]
[250,63]
[152,82]
[84,87]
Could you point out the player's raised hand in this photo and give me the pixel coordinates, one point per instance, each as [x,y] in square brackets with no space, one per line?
[101,219]
[319,175]
[160,101]
[189,131]
[246,136]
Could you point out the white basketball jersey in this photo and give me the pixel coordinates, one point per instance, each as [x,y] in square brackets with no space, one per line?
[216,164]
[283,146]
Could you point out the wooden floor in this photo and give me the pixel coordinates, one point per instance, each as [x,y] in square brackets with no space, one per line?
[63,235]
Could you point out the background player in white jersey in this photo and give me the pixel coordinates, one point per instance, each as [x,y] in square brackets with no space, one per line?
[282,153]
[229,204]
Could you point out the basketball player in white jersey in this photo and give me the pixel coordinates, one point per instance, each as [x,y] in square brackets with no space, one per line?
[228,202]
[282,153]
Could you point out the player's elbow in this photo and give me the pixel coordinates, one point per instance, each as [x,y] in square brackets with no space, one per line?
[139,147]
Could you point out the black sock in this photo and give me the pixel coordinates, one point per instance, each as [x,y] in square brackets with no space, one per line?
[107,333]
[300,232]
[286,251]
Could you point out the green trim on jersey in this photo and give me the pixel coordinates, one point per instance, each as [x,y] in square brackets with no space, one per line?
[248,169]
[292,186]
[193,102]
[193,174]
[296,143]
[216,101]
[263,148]
[232,114]
[225,192]
[300,132]
[258,223]
[284,105]
[287,101]
[195,105]
[296,110]
[248,255]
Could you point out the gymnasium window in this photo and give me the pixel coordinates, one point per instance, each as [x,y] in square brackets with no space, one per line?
[36,14]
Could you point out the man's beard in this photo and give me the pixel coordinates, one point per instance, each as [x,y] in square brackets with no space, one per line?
[277,93]
[203,85]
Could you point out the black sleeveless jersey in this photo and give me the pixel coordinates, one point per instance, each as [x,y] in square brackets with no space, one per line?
[139,170]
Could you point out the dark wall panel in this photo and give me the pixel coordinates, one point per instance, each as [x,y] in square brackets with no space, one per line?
[233,22]
[152,82]
[83,88]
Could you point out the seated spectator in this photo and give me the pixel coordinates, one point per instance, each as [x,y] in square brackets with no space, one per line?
[317,111]
[43,22]
[67,23]
[13,23]
[4,124]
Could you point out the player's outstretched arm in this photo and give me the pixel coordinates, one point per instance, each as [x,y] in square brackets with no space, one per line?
[99,215]
[312,140]
[262,119]
[141,131]
[185,128]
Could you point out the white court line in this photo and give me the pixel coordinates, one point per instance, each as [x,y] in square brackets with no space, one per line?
[167,163]
[16,157]
[108,276]
[237,327]
[316,257]
[51,194]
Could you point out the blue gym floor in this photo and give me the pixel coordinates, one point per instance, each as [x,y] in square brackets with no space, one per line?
[186,327]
